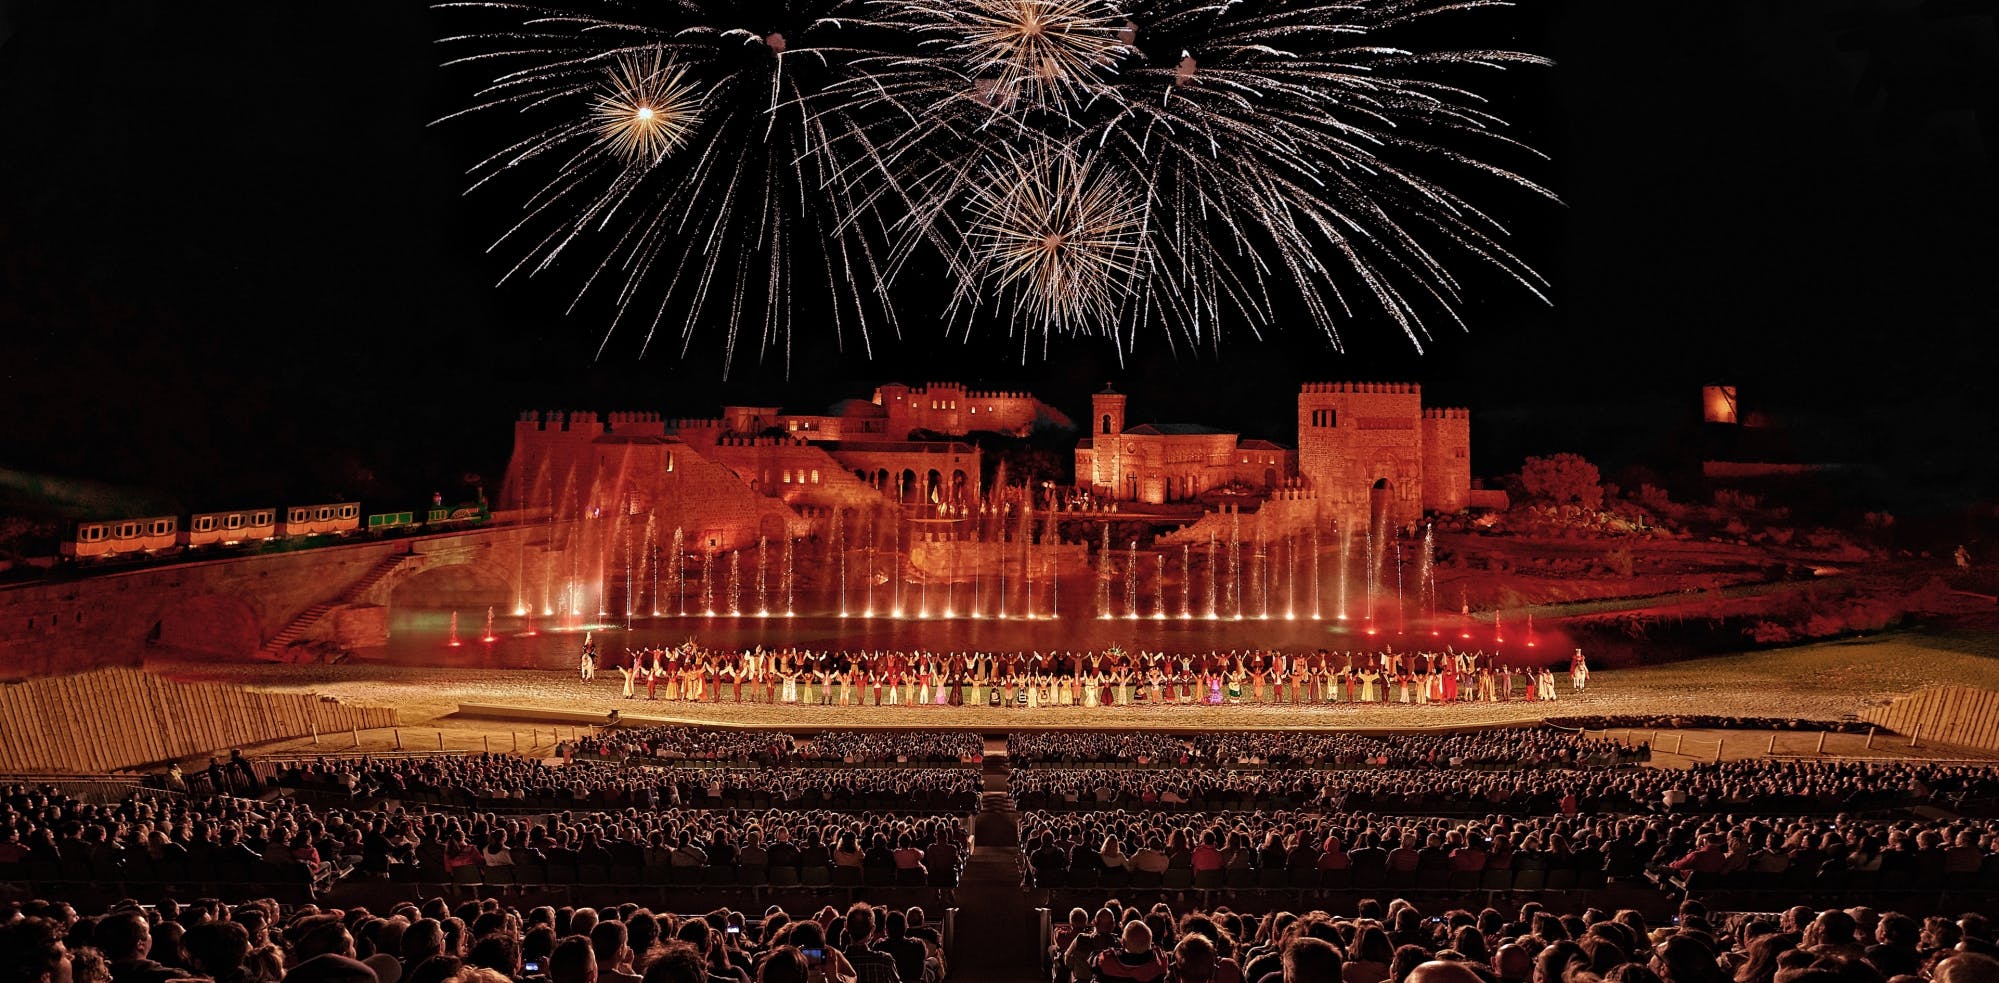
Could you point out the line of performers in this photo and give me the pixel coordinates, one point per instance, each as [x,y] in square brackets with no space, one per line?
[1084,679]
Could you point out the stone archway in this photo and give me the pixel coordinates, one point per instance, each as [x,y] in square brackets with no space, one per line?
[207,624]
[457,586]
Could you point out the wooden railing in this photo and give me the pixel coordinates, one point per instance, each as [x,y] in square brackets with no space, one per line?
[1958,715]
[114,719]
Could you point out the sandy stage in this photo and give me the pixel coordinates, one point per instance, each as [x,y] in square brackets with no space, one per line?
[1828,681]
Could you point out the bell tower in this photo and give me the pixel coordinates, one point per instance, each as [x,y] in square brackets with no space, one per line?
[1107,413]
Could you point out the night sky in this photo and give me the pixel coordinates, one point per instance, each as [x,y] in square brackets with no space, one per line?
[235,262]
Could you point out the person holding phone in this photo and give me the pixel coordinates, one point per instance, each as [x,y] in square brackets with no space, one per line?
[823,964]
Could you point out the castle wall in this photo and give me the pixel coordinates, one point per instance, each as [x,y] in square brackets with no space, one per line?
[582,467]
[1292,510]
[902,470]
[950,408]
[799,473]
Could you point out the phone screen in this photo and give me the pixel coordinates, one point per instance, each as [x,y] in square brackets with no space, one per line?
[530,966]
[815,955]
[735,930]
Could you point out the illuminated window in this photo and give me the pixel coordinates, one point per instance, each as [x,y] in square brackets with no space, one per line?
[815,476]
[787,477]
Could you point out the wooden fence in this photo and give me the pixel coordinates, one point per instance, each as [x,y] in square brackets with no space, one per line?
[126,718]
[1944,714]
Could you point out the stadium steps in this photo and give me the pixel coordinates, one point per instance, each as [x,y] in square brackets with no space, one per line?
[1005,934]
[273,648]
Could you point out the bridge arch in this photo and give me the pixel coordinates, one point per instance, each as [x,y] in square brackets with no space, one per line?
[207,624]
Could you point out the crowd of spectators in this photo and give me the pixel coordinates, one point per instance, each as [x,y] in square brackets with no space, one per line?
[47,836]
[1366,848]
[676,743]
[510,781]
[1026,748]
[1511,747]
[471,942]
[1398,943]
[914,747]
[1769,787]
[1802,785]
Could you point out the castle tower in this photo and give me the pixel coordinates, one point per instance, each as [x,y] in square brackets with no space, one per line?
[1106,413]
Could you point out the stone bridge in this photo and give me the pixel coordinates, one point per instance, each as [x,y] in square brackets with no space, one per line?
[251,605]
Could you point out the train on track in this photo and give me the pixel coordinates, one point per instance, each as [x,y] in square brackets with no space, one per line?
[254,528]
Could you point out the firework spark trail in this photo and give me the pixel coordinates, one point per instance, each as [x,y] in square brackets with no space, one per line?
[1113,168]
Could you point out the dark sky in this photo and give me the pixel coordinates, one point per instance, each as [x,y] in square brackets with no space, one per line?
[235,262]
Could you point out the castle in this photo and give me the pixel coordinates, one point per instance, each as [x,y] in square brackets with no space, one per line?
[1158,463]
[1362,447]
[758,472]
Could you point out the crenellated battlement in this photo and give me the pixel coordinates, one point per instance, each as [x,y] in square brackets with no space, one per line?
[1381,388]
[1446,413]
[572,421]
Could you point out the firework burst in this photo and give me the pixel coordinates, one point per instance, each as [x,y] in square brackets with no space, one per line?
[720,204]
[1048,54]
[1184,169]
[1055,239]
[648,108]
[1288,157]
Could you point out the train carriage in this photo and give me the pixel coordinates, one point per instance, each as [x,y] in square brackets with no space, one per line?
[384,523]
[122,537]
[229,528]
[334,519]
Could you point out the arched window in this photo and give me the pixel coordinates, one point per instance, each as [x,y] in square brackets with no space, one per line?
[1107,423]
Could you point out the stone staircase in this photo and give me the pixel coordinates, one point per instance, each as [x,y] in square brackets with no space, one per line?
[1000,942]
[274,647]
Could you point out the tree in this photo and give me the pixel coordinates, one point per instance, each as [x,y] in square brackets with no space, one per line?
[1563,479]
